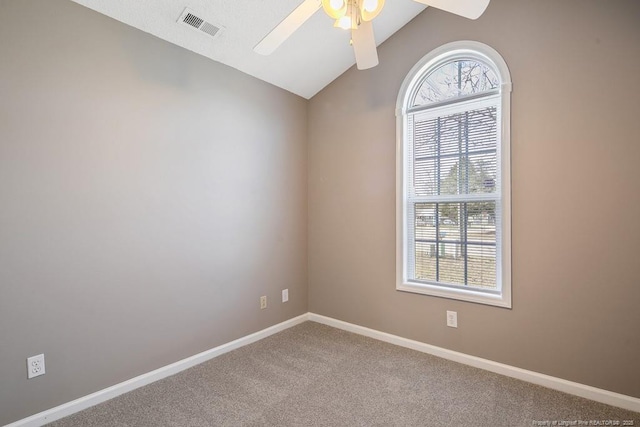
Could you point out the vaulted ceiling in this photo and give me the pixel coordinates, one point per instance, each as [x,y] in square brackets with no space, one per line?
[304,64]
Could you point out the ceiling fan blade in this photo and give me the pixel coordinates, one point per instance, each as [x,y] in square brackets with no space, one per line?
[364,46]
[471,9]
[287,27]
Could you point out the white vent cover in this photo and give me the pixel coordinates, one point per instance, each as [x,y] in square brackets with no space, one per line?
[190,19]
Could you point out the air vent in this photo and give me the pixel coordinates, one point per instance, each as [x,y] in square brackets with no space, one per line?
[190,19]
[210,29]
[193,20]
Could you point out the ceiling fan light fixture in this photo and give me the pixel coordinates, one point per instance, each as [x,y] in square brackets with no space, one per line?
[369,9]
[343,22]
[369,5]
[336,9]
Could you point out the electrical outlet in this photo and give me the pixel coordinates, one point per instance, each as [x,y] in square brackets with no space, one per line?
[452,319]
[263,302]
[35,366]
[285,295]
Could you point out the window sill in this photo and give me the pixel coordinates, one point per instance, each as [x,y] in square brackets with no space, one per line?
[498,300]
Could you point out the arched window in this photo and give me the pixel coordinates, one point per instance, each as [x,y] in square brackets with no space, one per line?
[453,180]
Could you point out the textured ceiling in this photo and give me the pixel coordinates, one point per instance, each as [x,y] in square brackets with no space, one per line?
[304,64]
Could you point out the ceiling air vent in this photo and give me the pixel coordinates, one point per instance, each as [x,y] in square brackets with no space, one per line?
[190,19]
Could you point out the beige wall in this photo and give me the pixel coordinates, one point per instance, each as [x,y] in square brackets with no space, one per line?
[148,197]
[575,189]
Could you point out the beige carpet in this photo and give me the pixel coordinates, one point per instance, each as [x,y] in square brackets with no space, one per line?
[314,375]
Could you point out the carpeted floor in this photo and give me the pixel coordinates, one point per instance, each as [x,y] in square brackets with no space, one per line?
[315,375]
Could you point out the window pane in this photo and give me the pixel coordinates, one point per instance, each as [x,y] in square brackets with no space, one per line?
[479,171]
[425,262]
[482,128]
[481,222]
[481,247]
[451,266]
[425,180]
[455,79]
[481,266]
[448,216]
[424,138]
[425,221]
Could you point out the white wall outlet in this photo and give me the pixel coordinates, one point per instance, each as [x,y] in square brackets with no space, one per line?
[35,366]
[263,302]
[452,319]
[285,295]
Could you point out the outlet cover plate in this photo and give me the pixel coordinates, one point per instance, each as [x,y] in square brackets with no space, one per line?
[35,366]
[452,319]
[285,295]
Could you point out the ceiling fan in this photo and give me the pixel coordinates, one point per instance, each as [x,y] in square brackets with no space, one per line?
[357,16]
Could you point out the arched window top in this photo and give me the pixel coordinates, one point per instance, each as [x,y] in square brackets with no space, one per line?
[462,69]
[455,79]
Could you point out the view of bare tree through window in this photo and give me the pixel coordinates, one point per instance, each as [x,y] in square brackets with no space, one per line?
[456,79]
[455,181]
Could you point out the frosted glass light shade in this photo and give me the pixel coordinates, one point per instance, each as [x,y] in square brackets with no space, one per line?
[369,9]
[343,22]
[336,9]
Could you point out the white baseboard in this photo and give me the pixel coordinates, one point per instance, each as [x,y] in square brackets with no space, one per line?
[577,389]
[85,402]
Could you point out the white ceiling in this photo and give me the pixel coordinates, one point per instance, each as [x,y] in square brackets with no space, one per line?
[304,64]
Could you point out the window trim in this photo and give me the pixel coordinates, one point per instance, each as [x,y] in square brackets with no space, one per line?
[435,58]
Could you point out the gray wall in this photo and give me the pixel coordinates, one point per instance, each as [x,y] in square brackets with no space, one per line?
[575,186]
[148,197]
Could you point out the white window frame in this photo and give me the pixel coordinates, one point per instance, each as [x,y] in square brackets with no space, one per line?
[446,53]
